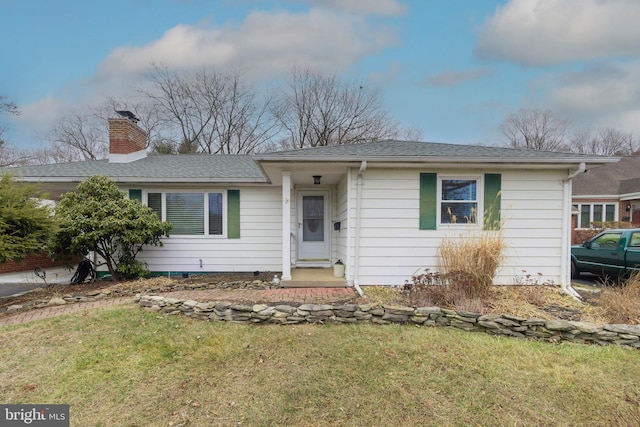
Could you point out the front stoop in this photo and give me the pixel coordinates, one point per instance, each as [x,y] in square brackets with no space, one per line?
[313,278]
[312,284]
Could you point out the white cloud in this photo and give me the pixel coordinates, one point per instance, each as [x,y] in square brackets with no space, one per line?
[601,88]
[364,7]
[628,121]
[264,43]
[599,95]
[453,78]
[544,32]
[39,115]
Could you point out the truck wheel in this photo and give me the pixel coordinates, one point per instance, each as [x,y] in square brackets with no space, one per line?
[575,273]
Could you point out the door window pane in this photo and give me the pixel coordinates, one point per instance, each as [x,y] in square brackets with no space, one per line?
[313,218]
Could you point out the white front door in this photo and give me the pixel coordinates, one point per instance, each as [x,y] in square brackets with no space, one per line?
[313,227]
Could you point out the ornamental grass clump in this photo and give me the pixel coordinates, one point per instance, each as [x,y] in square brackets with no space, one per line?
[476,256]
[620,301]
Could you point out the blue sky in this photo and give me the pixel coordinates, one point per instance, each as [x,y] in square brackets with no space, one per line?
[453,69]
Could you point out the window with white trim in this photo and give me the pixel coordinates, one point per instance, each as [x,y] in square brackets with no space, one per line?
[190,213]
[594,212]
[458,199]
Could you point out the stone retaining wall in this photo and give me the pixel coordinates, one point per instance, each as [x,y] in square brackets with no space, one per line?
[96,295]
[507,325]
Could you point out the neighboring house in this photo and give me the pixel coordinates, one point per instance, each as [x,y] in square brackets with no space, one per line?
[609,193]
[381,207]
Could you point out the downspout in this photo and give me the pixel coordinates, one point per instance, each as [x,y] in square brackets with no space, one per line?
[356,255]
[565,282]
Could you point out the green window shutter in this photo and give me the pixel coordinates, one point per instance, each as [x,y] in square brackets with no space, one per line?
[233,214]
[492,199]
[428,201]
[135,195]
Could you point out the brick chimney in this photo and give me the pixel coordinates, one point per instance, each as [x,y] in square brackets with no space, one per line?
[127,141]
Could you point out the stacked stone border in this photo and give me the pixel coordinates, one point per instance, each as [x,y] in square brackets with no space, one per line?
[505,325]
[97,295]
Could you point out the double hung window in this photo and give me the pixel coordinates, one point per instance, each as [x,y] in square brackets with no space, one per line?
[459,201]
[446,200]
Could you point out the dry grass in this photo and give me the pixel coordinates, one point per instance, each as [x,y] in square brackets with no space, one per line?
[474,258]
[620,302]
[530,301]
[542,302]
[129,367]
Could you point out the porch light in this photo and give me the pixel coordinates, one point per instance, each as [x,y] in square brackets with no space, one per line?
[628,207]
[316,179]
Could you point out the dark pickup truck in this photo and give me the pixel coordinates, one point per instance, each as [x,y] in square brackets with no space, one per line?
[612,253]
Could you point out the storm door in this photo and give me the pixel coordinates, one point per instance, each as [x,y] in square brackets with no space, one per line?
[313,226]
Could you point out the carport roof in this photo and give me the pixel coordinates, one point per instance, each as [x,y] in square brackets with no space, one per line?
[153,168]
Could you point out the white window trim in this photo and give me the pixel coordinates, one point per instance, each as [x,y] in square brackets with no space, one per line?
[604,205]
[163,195]
[479,200]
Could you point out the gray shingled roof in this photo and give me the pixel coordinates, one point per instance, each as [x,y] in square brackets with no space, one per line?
[246,168]
[172,168]
[411,149]
[618,178]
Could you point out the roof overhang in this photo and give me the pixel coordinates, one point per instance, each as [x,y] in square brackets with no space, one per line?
[137,179]
[596,197]
[590,162]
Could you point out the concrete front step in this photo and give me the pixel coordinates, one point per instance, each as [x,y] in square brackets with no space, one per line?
[313,284]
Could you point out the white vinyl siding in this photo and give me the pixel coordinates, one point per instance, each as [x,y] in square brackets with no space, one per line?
[259,247]
[393,248]
[341,210]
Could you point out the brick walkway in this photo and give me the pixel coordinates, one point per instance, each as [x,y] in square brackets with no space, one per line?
[274,296]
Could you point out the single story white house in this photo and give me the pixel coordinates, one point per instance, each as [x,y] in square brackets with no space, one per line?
[381,208]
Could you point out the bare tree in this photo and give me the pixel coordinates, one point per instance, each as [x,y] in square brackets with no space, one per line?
[80,135]
[217,112]
[56,153]
[317,110]
[6,107]
[605,142]
[83,134]
[536,130]
[10,156]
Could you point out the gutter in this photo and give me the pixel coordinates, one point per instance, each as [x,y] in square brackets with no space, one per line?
[356,256]
[456,160]
[565,280]
[581,168]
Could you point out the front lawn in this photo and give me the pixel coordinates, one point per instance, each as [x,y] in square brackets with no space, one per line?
[130,367]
